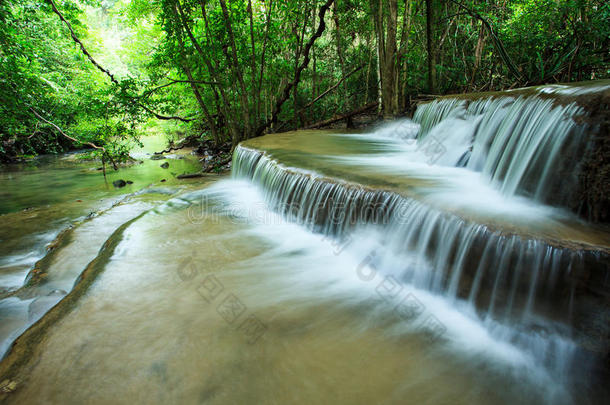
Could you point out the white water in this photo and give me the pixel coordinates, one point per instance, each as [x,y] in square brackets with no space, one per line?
[497,160]
[487,155]
[521,145]
[340,320]
[427,249]
[362,271]
[323,262]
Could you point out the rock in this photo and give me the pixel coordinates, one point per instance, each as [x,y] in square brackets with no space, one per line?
[157,157]
[129,182]
[8,386]
[5,291]
[165,165]
[56,292]
[43,304]
[119,183]
[163,180]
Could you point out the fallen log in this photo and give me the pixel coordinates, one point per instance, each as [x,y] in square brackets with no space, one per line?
[342,117]
[312,102]
[190,175]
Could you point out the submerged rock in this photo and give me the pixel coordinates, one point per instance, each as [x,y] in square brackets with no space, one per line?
[119,183]
[56,292]
[157,157]
[165,165]
[42,305]
[8,386]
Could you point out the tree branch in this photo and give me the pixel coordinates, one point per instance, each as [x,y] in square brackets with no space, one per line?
[343,116]
[105,71]
[171,83]
[41,118]
[297,77]
[94,146]
[496,40]
[334,86]
[82,47]
[164,117]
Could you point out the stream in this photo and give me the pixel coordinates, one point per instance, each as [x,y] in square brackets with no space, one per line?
[413,263]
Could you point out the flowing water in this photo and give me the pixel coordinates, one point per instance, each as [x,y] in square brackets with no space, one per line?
[61,200]
[419,262]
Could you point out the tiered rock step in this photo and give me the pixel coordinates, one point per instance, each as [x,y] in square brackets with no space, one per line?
[544,263]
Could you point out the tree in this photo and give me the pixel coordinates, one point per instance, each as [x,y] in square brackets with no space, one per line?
[430,47]
[232,70]
[386,23]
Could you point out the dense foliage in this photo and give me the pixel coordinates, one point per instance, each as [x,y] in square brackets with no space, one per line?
[233,69]
[47,87]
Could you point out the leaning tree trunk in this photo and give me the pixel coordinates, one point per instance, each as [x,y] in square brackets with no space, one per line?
[430,47]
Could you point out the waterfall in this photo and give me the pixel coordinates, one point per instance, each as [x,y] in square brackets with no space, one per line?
[523,145]
[509,279]
[529,291]
[452,256]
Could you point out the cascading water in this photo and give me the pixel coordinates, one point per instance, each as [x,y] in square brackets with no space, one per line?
[526,289]
[527,146]
[423,252]
[508,277]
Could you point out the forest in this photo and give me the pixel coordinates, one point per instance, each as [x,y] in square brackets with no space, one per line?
[305,202]
[99,75]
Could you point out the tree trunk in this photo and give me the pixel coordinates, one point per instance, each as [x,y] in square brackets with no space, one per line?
[390,62]
[430,47]
[226,105]
[341,56]
[285,93]
[368,71]
[235,64]
[193,84]
[385,26]
[262,63]
[401,60]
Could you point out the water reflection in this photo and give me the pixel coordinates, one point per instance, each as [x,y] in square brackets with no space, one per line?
[43,198]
